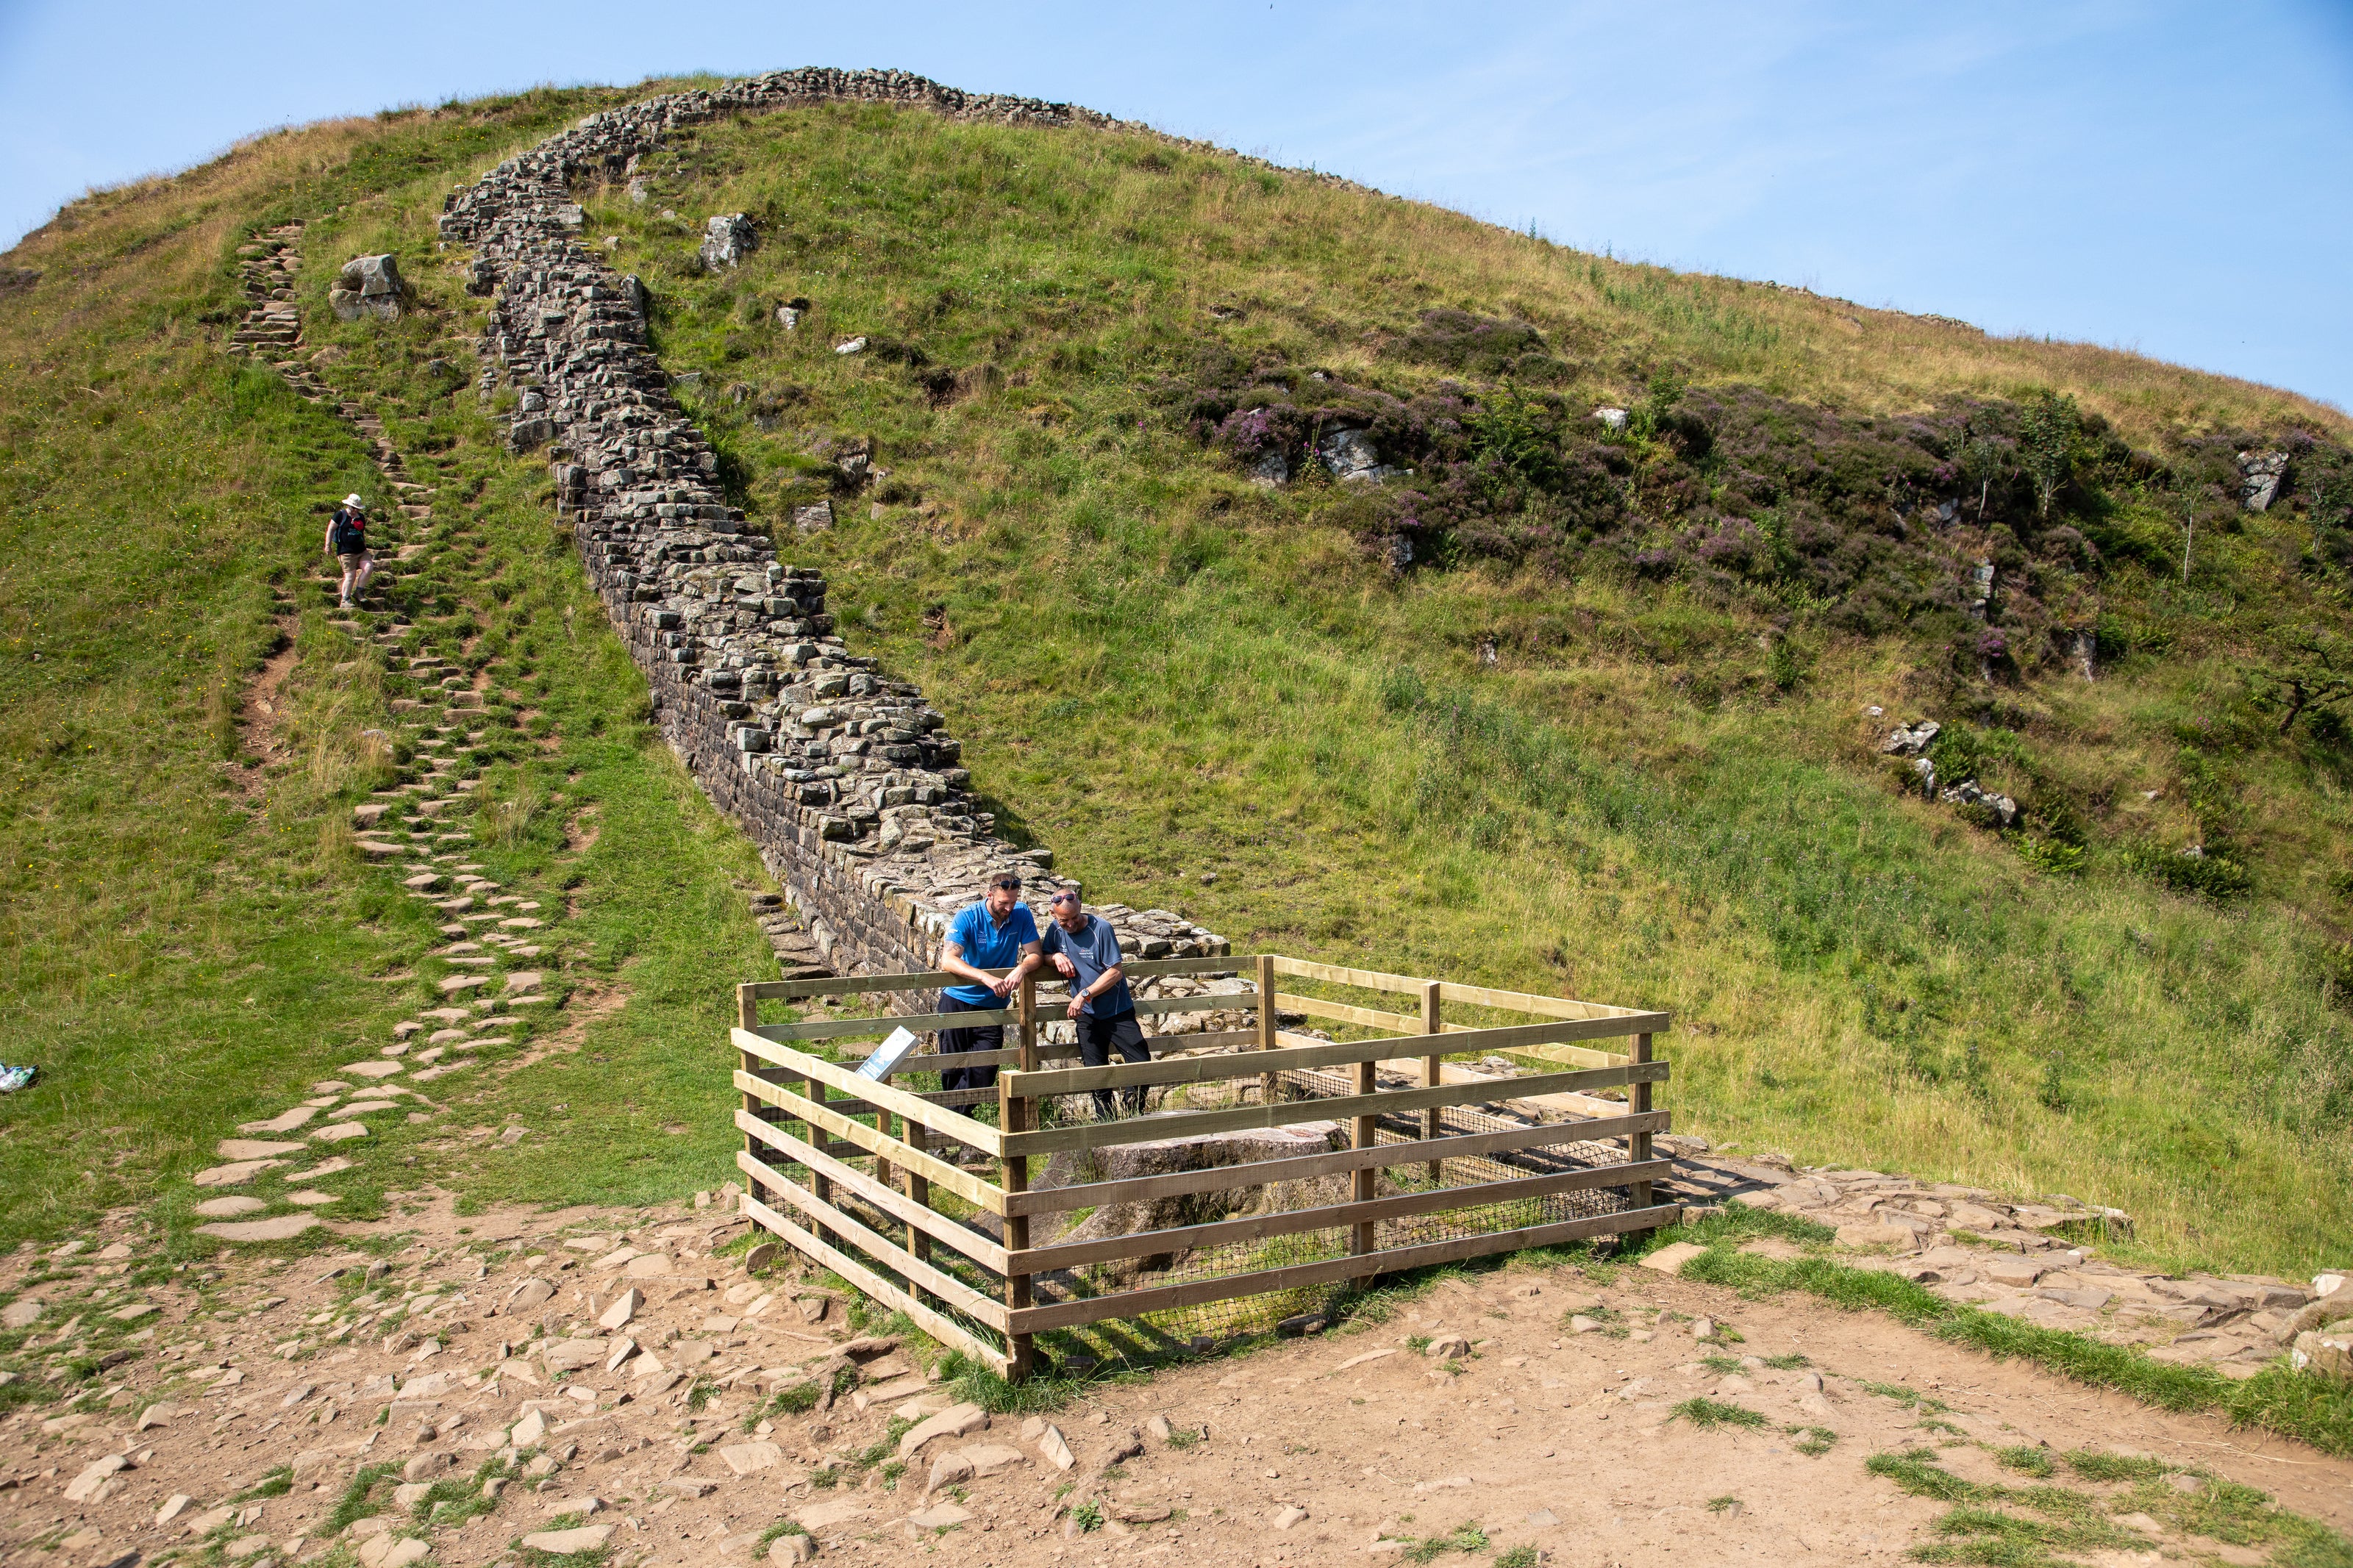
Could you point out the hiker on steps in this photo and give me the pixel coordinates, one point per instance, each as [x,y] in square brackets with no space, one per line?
[347,542]
[997,933]
[1084,950]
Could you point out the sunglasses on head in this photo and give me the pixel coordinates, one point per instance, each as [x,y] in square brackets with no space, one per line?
[1066,898]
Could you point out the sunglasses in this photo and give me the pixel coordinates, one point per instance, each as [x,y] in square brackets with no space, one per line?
[1060,898]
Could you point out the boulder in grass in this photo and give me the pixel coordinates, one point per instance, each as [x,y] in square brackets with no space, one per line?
[725,240]
[368,286]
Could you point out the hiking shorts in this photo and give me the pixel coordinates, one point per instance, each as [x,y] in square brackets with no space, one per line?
[356,561]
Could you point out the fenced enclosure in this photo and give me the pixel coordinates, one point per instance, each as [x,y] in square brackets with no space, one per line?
[1223,1181]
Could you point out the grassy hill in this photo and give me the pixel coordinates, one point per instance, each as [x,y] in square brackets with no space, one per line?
[1608,734]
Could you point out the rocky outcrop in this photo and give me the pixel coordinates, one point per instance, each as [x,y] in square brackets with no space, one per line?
[725,241]
[1349,456]
[367,285]
[846,779]
[1910,739]
[2261,474]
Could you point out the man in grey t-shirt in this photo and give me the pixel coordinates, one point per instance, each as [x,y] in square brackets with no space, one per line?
[1084,950]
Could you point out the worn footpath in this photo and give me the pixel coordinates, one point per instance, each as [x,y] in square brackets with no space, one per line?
[632,1386]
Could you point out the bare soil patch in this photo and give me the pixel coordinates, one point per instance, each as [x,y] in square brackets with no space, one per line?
[261,721]
[1578,1444]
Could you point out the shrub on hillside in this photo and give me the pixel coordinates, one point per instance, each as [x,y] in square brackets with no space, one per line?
[1484,345]
[1880,524]
[2215,877]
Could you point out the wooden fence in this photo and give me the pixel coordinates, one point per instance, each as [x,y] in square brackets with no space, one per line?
[875,1180]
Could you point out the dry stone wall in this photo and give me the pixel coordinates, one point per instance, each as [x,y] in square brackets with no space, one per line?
[845,778]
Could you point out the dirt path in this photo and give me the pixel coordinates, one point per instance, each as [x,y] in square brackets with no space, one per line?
[1562,1438]
[261,720]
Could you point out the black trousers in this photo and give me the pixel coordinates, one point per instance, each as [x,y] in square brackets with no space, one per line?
[1098,1037]
[987,1037]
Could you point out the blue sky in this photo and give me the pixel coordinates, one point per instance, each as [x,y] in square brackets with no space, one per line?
[2165,177]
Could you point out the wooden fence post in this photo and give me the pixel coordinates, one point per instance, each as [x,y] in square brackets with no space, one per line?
[884,1171]
[1638,1145]
[1029,1040]
[920,1189]
[1266,1026]
[1013,1175]
[1433,1069]
[1365,1185]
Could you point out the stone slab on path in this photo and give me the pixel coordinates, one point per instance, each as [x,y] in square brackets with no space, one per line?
[235,1174]
[285,1123]
[229,1208]
[254,1149]
[283,1227]
[340,1132]
[373,1069]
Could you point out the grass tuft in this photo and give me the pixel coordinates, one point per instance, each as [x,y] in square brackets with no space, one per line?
[1706,1413]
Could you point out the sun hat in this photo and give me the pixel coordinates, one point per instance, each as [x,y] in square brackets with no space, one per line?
[353,500]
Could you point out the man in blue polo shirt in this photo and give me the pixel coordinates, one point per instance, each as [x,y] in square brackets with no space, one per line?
[1084,949]
[997,933]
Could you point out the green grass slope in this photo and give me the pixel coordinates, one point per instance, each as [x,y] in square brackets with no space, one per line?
[1662,790]
[187,936]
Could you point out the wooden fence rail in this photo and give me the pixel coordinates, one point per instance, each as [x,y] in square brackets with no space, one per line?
[820,1136]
